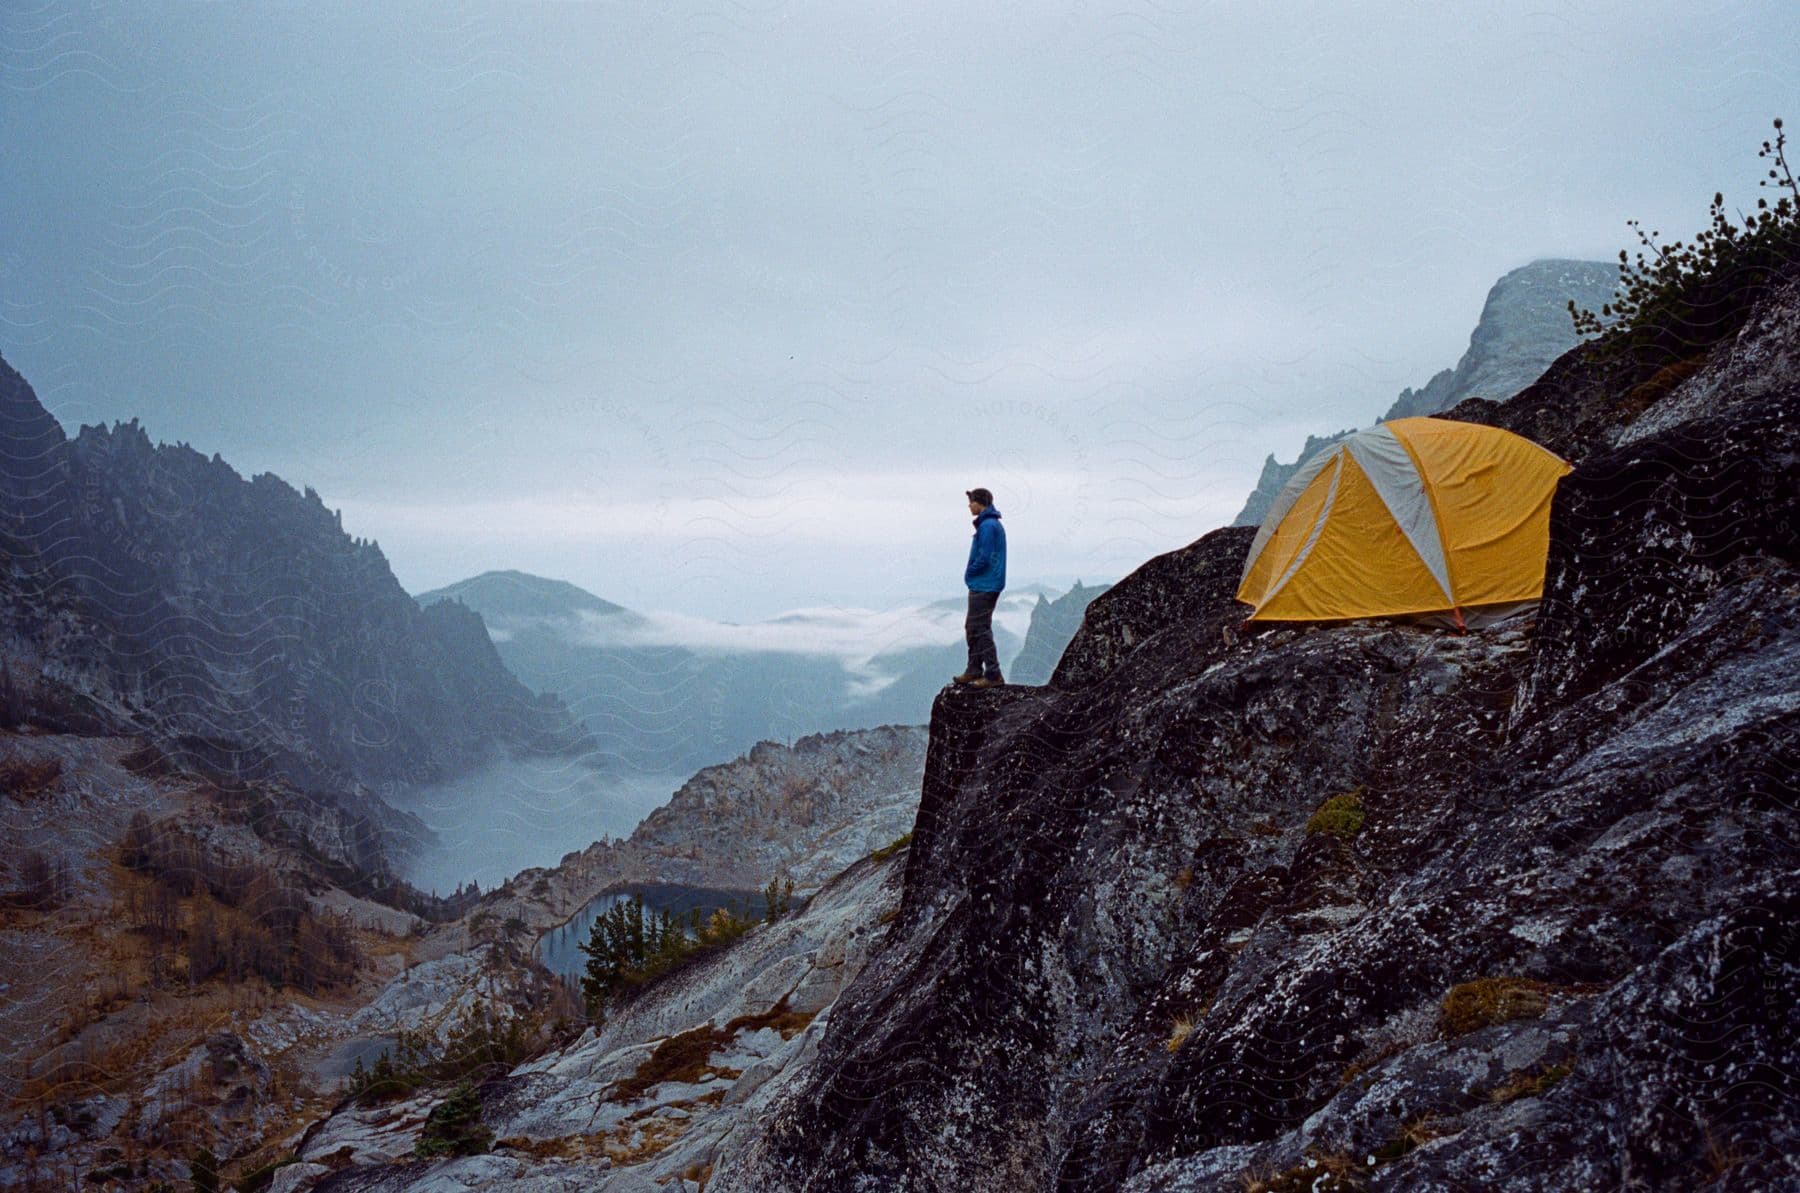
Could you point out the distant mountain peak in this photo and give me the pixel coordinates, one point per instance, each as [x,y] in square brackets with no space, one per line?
[512,593]
[1524,326]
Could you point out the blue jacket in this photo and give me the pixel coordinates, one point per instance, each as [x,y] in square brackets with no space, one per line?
[987,554]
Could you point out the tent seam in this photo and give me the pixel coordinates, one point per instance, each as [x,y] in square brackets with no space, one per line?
[1312,537]
[1445,585]
[1437,514]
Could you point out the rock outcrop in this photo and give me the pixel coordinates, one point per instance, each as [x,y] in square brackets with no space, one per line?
[148,589]
[1371,905]
[804,812]
[1524,325]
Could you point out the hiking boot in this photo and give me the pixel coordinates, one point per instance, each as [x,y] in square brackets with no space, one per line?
[988,681]
[966,677]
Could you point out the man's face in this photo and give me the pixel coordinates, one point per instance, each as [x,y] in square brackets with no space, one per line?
[974,506]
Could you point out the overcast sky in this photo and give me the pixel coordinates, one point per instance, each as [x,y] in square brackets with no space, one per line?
[718,312]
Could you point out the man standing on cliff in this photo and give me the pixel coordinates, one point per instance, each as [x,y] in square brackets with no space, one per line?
[986,577]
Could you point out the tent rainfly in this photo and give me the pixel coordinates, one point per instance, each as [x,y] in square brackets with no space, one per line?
[1418,516]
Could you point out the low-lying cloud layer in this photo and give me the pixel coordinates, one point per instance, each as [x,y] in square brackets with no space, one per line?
[854,636]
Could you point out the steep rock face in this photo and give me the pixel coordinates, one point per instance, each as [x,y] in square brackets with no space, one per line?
[1587,401]
[1524,325]
[782,808]
[1187,591]
[1538,941]
[1053,626]
[234,622]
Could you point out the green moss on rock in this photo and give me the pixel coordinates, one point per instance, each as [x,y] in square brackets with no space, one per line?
[1341,816]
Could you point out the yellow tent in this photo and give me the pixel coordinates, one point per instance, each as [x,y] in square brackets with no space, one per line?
[1417,516]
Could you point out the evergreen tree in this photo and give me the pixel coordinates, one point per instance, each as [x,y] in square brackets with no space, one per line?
[454,1127]
[778,898]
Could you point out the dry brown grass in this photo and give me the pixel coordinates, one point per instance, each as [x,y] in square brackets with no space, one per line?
[1529,1083]
[1473,1005]
[685,1057]
[681,1057]
[788,1023]
[1410,1137]
[1321,1172]
[1723,1156]
[634,1145]
[1179,1031]
[1646,394]
[565,1147]
[1358,1067]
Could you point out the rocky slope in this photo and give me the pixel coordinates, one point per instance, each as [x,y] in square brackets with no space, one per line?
[1524,325]
[804,811]
[1367,905]
[147,589]
[651,1099]
[132,1076]
[118,1061]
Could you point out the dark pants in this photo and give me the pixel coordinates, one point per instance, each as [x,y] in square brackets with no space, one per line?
[978,627]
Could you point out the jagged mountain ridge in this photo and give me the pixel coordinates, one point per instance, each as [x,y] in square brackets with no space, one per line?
[234,623]
[1524,325]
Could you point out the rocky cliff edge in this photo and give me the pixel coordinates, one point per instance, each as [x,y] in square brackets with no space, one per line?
[1366,905]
